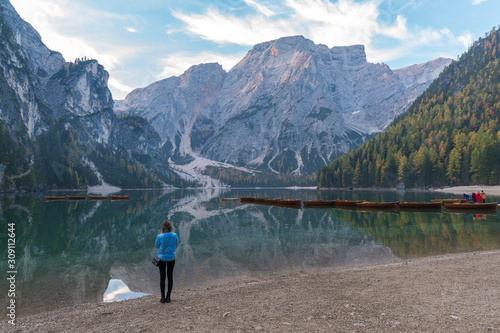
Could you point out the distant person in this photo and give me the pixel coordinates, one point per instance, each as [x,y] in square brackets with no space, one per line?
[478,197]
[483,196]
[166,243]
[474,199]
[466,197]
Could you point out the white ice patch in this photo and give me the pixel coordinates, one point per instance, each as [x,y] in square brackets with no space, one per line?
[118,291]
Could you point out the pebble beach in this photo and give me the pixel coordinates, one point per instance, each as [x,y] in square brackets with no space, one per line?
[449,293]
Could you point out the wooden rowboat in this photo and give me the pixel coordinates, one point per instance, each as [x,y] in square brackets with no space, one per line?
[260,200]
[430,205]
[247,199]
[378,205]
[288,203]
[273,201]
[347,202]
[75,198]
[120,197]
[49,198]
[97,197]
[476,205]
[284,203]
[319,203]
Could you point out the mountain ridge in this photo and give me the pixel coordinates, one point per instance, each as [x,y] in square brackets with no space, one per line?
[449,136]
[302,104]
[56,118]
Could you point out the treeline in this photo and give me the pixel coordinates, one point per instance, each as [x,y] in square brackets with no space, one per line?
[14,161]
[59,164]
[117,171]
[238,178]
[56,161]
[449,136]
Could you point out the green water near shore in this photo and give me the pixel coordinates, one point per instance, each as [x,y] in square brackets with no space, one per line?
[67,252]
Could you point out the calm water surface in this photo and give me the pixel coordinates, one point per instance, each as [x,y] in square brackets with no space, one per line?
[77,252]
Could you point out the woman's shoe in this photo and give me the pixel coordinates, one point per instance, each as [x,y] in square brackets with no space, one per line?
[168,298]
[162,300]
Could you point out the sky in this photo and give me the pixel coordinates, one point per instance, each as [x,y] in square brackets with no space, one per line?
[140,42]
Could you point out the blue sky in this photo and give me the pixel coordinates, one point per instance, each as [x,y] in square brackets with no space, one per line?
[140,42]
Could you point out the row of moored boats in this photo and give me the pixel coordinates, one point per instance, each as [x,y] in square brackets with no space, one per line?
[87,198]
[453,204]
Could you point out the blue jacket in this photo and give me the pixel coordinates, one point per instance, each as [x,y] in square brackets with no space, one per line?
[166,244]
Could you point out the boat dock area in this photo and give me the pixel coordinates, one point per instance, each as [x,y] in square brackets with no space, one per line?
[436,204]
[87,198]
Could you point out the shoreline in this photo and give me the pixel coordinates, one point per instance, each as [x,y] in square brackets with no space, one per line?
[459,190]
[452,292]
[488,189]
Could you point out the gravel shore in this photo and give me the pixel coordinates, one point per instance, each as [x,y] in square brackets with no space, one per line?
[459,190]
[450,293]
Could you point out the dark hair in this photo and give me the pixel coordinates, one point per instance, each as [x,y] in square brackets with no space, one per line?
[166,226]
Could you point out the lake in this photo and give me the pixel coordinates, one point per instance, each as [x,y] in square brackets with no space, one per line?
[78,252]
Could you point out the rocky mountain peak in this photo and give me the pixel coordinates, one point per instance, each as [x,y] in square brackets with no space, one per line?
[287,47]
[79,89]
[172,104]
[205,75]
[421,73]
[289,106]
[43,62]
[349,55]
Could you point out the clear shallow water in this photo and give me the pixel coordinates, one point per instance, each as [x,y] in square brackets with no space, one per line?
[78,252]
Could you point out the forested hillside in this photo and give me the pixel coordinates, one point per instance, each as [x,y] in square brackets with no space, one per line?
[449,136]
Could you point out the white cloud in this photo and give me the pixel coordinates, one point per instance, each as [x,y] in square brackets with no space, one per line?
[177,63]
[48,16]
[130,29]
[118,89]
[73,47]
[343,23]
[399,31]
[221,29]
[416,42]
[477,2]
[38,13]
[466,40]
[260,8]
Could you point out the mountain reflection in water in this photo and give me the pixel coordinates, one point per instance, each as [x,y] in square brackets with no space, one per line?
[67,252]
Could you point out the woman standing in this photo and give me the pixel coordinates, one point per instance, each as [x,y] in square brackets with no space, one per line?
[166,243]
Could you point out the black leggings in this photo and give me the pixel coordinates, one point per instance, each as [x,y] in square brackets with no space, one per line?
[166,271]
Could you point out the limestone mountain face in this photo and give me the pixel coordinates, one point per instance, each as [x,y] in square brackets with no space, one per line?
[78,94]
[289,106]
[42,94]
[43,85]
[25,65]
[173,104]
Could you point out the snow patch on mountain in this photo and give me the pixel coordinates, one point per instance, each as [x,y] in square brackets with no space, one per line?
[193,171]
